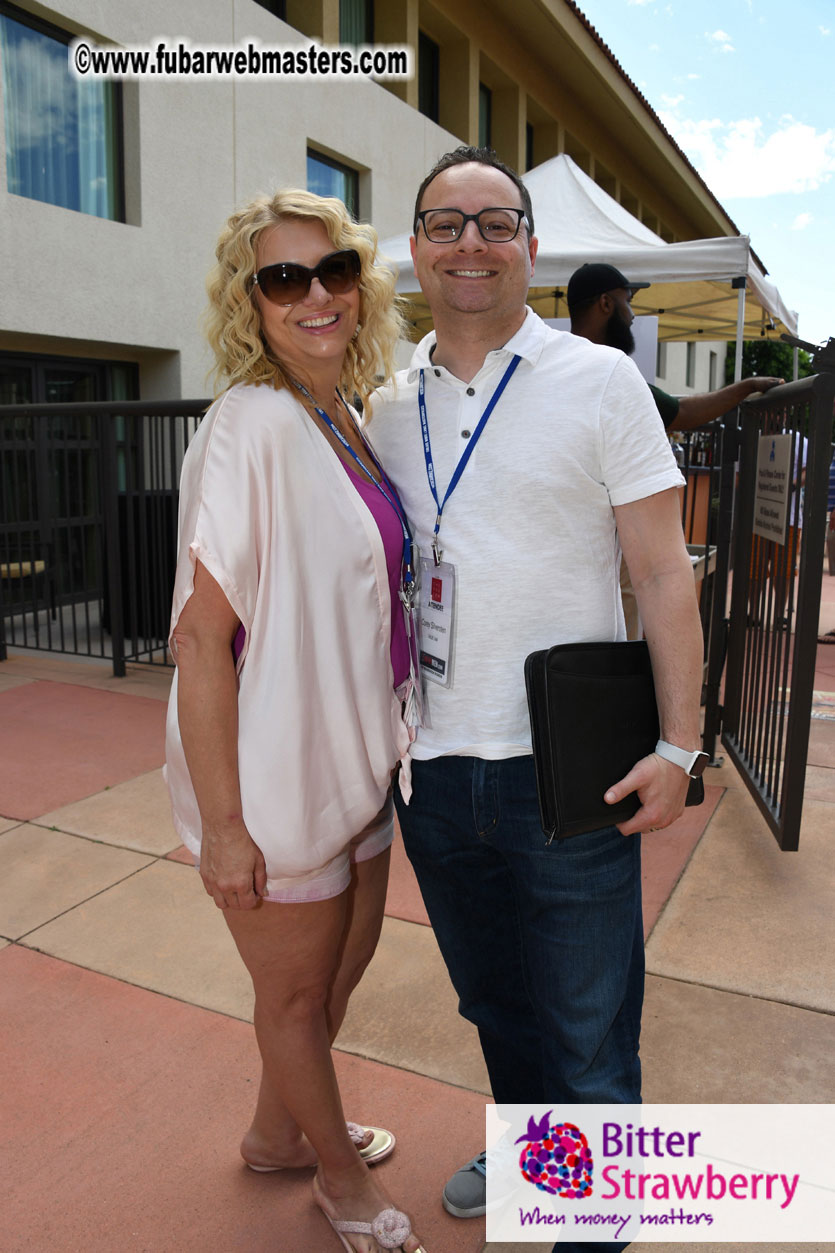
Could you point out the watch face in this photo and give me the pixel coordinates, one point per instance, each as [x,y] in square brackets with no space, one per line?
[698,767]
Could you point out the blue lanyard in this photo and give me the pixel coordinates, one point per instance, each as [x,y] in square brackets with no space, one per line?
[465,456]
[384,487]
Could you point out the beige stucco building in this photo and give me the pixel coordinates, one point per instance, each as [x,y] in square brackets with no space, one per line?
[103,296]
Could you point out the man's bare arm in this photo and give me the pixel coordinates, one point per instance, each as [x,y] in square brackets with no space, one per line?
[696,411]
[662,576]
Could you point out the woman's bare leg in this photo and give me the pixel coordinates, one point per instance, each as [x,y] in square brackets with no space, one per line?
[303,959]
[273,1138]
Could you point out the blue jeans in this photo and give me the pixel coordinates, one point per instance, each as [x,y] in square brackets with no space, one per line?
[544,944]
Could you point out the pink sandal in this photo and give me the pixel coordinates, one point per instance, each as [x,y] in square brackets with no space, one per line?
[379,1147]
[390,1229]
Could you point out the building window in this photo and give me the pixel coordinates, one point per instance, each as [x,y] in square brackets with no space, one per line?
[429,77]
[714,361]
[485,116]
[63,135]
[528,146]
[356,22]
[327,177]
[690,370]
[26,378]
[661,360]
[278,8]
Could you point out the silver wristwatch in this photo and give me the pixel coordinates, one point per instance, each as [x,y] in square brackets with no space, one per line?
[692,763]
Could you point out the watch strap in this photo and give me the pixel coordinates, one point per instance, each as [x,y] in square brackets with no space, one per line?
[687,759]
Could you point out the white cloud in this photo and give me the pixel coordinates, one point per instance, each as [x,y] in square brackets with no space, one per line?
[655,48]
[721,38]
[641,2]
[823,30]
[671,101]
[740,159]
[693,77]
[801,221]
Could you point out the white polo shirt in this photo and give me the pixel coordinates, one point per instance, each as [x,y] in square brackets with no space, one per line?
[529,528]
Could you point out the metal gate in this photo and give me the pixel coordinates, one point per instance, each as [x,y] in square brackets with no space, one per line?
[88,526]
[770,635]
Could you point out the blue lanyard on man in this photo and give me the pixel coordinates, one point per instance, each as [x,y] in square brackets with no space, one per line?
[408,587]
[437,552]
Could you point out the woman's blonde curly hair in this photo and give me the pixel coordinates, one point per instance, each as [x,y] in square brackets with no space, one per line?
[233,322]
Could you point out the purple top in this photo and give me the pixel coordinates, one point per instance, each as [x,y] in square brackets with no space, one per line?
[392,536]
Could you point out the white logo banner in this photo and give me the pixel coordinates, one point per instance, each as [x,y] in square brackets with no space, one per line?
[704,1173]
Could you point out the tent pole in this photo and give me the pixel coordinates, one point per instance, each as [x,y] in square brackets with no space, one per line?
[739,284]
[795,364]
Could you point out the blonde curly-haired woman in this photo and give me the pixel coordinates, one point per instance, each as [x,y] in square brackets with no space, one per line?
[293,666]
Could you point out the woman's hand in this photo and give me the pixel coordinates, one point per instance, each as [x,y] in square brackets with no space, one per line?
[232,868]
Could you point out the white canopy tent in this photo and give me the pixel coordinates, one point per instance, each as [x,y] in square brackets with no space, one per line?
[702,288]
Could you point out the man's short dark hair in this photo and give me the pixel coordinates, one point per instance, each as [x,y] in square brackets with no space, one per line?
[467,155]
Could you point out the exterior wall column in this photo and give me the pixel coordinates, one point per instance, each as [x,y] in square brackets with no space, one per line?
[317,18]
[459,89]
[509,118]
[398,24]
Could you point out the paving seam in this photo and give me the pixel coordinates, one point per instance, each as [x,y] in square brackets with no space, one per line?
[96,839]
[377,1061]
[86,899]
[750,996]
[219,1013]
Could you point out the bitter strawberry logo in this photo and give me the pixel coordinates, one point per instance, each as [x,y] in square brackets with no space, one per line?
[556,1158]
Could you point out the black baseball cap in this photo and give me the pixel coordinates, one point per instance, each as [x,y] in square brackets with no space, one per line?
[593,279]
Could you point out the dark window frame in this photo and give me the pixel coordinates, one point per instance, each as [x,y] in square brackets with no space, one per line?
[429,77]
[367,19]
[485,116]
[690,364]
[334,163]
[99,368]
[278,8]
[49,29]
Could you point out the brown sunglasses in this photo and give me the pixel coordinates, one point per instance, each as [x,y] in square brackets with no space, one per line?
[287,282]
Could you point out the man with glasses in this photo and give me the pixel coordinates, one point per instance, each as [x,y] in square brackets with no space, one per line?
[521,455]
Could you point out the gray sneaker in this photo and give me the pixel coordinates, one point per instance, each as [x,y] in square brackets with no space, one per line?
[465,1195]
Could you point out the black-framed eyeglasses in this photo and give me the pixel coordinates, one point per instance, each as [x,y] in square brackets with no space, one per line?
[495,226]
[287,282]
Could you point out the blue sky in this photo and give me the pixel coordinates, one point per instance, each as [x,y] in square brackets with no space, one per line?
[747,89]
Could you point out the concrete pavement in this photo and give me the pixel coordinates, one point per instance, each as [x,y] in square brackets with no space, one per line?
[128,1060]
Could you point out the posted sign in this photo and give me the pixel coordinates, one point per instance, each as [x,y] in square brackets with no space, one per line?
[774,481]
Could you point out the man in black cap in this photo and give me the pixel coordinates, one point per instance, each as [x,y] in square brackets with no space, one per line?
[599,303]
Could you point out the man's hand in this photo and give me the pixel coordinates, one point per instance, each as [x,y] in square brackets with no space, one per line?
[662,789]
[762,383]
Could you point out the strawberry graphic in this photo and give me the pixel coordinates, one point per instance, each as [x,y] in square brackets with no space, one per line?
[556,1158]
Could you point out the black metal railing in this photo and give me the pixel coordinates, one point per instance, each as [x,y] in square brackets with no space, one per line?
[771,629]
[88,526]
[701,459]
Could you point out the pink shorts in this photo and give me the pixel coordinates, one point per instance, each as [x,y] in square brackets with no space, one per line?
[333,878]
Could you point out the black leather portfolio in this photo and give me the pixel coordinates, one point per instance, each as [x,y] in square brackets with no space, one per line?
[593,716]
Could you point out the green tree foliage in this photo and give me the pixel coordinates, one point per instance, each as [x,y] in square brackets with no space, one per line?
[769,357]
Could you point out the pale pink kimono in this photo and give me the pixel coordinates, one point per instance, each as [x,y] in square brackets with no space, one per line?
[268,509]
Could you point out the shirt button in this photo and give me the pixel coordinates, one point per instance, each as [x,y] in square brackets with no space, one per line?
[465,434]
[470,391]
[437,374]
